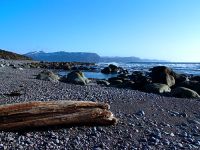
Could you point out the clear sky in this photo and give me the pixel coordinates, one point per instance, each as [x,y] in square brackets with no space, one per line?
[159,29]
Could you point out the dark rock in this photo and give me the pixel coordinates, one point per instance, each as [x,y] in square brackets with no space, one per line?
[115,80]
[122,70]
[162,74]
[103,82]
[74,68]
[183,92]
[181,78]
[195,78]
[193,85]
[139,79]
[123,75]
[66,66]
[129,84]
[113,68]
[106,70]
[14,93]
[110,69]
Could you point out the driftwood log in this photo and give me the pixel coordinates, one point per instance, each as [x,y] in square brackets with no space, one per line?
[36,114]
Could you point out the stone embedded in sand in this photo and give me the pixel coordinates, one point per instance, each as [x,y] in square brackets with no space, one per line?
[115,81]
[157,88]
[48,76]
[183,92]
[104,82]
[15,93]
[193,85]
[76,77]
[54,113]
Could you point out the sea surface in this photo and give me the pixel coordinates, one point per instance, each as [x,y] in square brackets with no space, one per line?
[182,68]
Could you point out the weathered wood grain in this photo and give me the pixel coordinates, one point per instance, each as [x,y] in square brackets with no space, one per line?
[52,113]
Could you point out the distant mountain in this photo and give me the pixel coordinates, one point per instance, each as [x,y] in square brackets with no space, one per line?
[10,55]
[64,56]
[120,59]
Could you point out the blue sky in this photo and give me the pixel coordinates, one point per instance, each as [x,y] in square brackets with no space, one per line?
[155,29]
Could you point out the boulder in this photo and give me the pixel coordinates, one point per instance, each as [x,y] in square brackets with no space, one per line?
[195,78]
[103,82]
[128,84]
[74,68]
[122,70]
[163,74]
[181,78]
[193,85]
[116,80]
[182,92]
[48,76]
[123,75]
[66,66]
[113,68]
[106,70]
[76,77]
[139,79]
[157,88]
[169,80]
[110,69]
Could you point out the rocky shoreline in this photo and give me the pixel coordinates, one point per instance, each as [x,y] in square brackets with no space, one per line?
[146,120]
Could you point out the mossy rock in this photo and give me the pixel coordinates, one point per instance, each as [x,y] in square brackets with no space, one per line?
[76,77]
[48,76]
[157,88]
[182,92]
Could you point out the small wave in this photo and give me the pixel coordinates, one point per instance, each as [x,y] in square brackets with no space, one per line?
[185,67]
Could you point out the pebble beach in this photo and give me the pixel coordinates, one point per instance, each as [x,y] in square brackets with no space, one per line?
[146,120]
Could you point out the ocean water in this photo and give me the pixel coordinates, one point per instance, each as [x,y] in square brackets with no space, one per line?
[183,68]
[95,75]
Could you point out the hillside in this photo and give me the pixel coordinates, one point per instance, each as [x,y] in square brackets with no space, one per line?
[121,59]
[10,55]
[64,56]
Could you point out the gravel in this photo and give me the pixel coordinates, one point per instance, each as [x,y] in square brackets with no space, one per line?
[146,121]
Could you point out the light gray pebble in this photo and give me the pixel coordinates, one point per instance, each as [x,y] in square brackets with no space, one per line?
[172,134]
